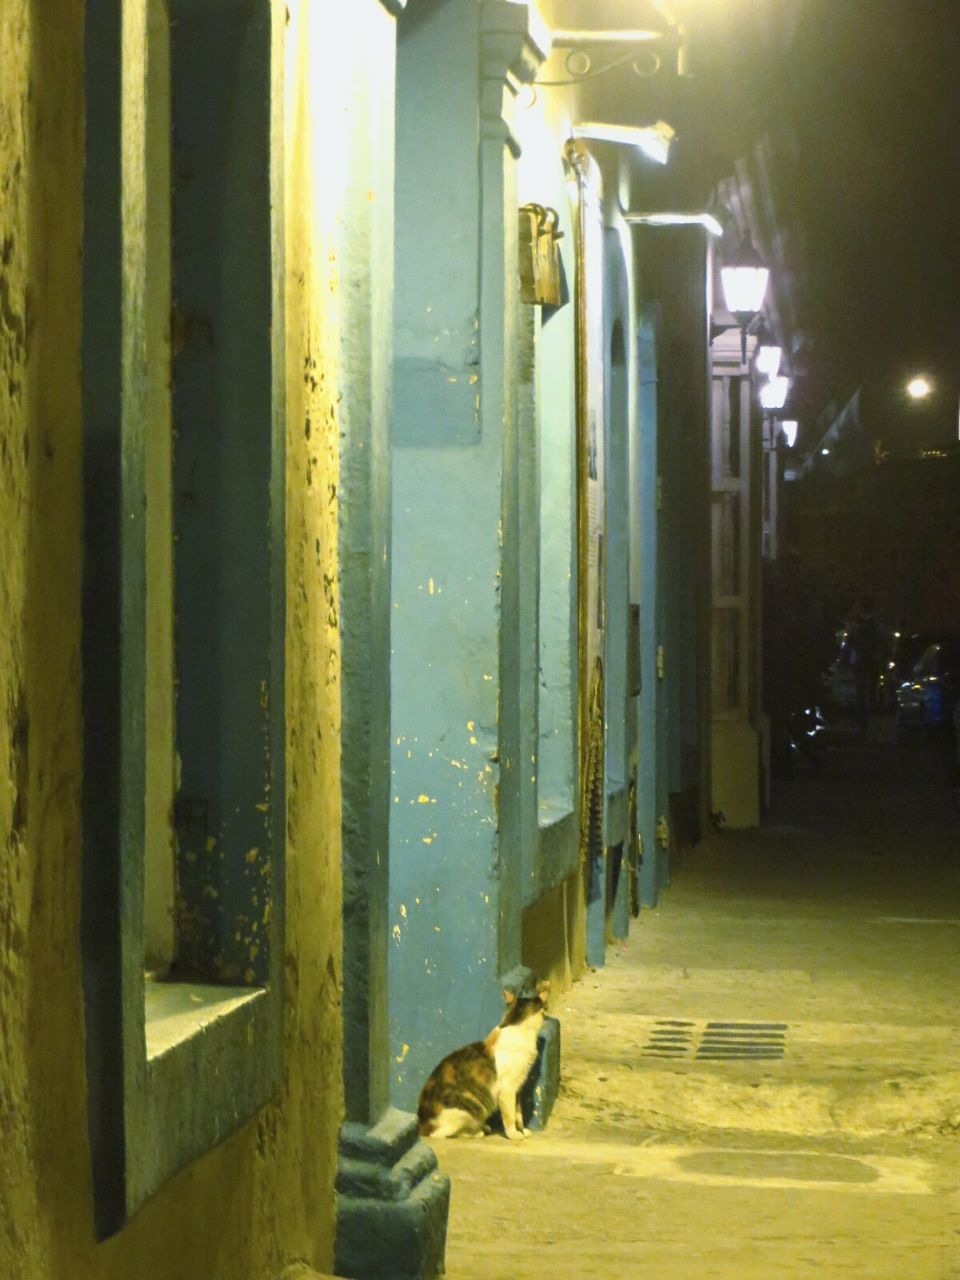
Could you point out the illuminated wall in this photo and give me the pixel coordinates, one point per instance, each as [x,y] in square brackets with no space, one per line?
[264,1197]
[487,869]
[457,772]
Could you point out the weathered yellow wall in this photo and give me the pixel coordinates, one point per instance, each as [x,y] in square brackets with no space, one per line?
[735,773]
[42,1155]
[554,934]
[264,1198]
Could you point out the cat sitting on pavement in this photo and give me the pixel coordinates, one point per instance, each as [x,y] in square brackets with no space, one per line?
[471,1083]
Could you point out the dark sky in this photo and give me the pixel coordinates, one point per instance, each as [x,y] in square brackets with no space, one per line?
[873,90]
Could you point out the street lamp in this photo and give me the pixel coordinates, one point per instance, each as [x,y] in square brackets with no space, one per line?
[769,352]
[768,359]
[919,387]
[773,394]
[788,427]
[744,278]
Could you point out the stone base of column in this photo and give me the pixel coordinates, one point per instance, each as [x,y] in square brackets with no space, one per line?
[392,1203]
[543,1083]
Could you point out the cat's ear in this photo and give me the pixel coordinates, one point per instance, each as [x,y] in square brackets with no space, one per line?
[509,996]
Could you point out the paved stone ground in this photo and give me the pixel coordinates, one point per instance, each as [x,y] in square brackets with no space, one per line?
[834,1149]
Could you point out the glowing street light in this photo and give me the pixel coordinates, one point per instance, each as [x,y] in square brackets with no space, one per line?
[789,428]
[773,394]
[768,359]
[919,388]
[744,278]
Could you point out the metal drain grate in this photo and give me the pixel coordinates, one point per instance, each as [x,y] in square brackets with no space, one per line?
[724,1040]
[715,1041]
[670,1038]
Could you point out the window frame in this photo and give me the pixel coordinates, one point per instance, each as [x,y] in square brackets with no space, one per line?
[174,1067]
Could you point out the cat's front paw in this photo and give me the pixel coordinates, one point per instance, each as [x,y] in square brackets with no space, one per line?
[516,1133]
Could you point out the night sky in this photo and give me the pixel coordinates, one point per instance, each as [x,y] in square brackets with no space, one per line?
[873,91]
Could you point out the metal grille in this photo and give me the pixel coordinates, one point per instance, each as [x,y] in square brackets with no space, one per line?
[715,1041]
[670,1038]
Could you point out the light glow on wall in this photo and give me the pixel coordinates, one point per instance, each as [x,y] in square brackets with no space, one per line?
[705,220]
[789,429]
[563,38]
[653,140]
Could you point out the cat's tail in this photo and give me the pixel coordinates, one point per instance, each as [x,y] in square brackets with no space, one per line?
[451,1122]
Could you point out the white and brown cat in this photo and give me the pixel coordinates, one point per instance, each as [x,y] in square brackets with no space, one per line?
[471,1083]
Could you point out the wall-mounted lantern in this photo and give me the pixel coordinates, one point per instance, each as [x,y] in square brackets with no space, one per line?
[541,276]
[768,359]
[788,429]
[773,393]
[744,277]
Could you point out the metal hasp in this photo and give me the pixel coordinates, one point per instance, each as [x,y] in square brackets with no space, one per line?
[540,278]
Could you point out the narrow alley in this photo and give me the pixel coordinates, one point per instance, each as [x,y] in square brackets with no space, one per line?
[827,1142]
[451,454]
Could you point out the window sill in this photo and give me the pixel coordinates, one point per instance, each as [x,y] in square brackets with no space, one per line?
[211,1059]
[553,812]
[176,1011]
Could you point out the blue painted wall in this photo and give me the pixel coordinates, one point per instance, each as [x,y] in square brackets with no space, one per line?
[454,898]
[619,712]
[651,774]
[550,844]
[673,267]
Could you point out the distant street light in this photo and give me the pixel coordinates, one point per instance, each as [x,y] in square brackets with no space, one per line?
[773,394]
[768,359]
[919,388]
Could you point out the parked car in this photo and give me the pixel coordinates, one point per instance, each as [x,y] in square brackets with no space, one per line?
[840,678]
[927,697]
[905,650]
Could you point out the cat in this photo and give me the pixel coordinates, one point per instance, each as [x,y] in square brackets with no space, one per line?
[468,1086]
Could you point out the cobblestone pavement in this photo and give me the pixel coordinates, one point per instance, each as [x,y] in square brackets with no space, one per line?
[764,1081]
